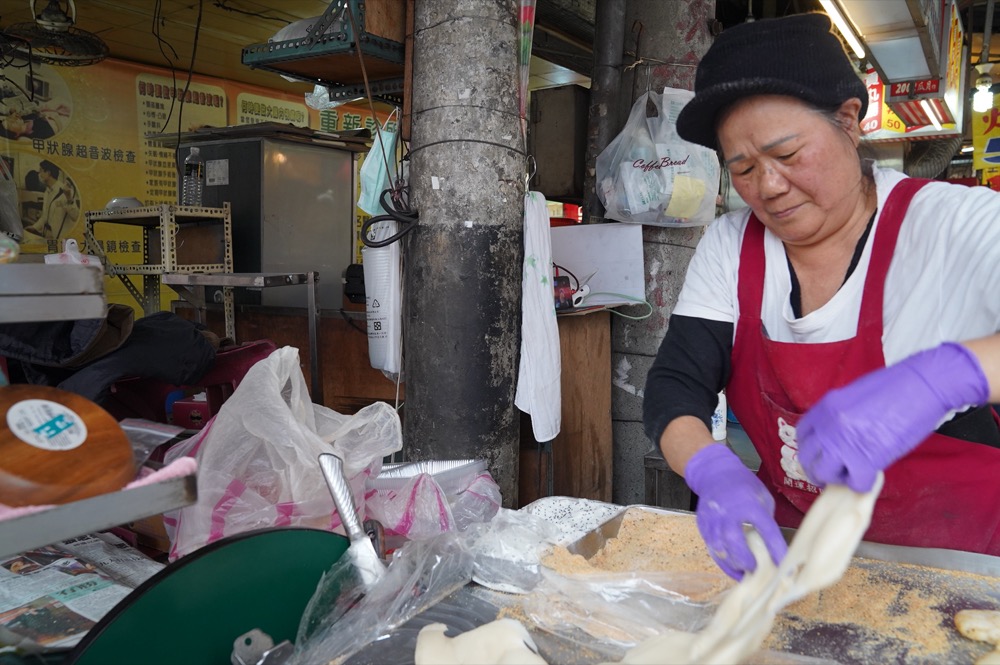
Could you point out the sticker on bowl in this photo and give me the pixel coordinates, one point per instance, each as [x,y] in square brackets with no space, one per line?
[46,425]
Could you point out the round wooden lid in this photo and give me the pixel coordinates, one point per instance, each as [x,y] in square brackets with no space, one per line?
[57,446]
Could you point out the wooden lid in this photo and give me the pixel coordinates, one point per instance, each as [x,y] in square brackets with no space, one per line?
[57,446]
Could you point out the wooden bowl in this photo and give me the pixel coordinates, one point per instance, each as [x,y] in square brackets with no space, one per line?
[57,447]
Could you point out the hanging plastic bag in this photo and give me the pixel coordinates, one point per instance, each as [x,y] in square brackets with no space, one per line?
[384,300]
[375,175]
[649,175]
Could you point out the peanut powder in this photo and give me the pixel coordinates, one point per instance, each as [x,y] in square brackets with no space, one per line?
[878,612]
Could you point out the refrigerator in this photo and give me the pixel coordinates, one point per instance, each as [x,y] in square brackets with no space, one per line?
[292,206]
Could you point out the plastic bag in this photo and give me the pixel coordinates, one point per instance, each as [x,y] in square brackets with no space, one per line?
[619,610]
[257,458]
[509,549]
[649,175]
[419,507]
[375,176]
[340,618]
[71,255]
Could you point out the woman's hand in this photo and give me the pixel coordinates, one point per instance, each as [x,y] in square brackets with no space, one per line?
[856,431]
[729,495]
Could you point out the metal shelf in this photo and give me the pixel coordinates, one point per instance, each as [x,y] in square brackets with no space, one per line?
[46,292]
[161,227]
[191,287]
[32,292]
[95,514]
[328,54]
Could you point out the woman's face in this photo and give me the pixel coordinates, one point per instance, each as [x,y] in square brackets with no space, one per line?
[799,172]
[15,124]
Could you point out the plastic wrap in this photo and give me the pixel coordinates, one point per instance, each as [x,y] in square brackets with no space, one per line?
[614,611]
[340,619]
[509,549]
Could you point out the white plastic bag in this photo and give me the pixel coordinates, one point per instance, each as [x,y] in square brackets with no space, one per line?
[71,255]
[375,171]
[384,300]
[257,461]
[649,175]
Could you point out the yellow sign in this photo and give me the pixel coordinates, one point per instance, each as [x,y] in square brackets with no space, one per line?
[74,138]
[985,128]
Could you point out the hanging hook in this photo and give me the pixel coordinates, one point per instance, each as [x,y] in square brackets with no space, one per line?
[530,171]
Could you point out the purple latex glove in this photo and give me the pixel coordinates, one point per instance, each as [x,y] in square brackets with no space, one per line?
[729,495]
[856,431]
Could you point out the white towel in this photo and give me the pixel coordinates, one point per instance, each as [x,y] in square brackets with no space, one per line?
[538,390]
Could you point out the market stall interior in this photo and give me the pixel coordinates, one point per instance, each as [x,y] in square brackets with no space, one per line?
[324,328]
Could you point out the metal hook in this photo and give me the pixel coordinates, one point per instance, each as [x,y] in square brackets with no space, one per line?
[531,171]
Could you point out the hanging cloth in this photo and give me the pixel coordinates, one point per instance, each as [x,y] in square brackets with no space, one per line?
[538,391]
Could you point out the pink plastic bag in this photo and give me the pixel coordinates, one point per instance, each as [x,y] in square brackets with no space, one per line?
[421,508]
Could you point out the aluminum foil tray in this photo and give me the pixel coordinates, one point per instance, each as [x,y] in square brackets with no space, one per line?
[948,580]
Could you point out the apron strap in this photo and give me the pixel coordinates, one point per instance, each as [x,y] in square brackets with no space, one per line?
[752,262]
[750,286]
[886,233]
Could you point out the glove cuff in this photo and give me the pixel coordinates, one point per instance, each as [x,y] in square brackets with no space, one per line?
[957,376]
[708,463]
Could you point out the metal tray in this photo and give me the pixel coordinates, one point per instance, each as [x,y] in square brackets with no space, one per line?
[940,573]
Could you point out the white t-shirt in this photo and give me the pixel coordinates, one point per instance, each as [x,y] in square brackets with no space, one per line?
[943,282]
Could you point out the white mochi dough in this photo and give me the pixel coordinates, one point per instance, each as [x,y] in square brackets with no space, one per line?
[500,642]
[819,555]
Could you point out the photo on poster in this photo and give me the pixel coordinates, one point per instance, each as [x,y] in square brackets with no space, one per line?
[35,102]
[48,199]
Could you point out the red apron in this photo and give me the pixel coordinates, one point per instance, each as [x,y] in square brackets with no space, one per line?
[945,493]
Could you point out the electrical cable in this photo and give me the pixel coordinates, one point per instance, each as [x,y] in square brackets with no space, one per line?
[492,143]
[222,5]
[187,84]
[406,218]
[350,322]
[635,301]
[568,272]
[160,43]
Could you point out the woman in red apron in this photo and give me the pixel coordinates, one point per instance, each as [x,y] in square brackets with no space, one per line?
[781,102]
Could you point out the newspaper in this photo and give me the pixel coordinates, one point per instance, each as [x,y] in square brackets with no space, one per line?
[51,596]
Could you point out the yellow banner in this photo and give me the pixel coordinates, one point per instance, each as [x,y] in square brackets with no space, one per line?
[75,138]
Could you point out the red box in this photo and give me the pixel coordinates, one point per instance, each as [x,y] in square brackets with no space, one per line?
[191,413]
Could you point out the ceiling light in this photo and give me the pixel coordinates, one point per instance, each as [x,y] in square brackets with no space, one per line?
[982,100]
[838,19]
[931,113]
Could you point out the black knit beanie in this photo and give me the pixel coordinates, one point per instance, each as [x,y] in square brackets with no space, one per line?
[796,55]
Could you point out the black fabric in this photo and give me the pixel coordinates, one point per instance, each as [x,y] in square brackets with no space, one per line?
[974,425]
[691,367]
[795,297]
[795,55]
[53,343]
[161,346]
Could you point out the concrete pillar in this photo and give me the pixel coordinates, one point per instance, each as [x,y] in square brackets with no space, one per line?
[605,95]
[669,37]
[462,296]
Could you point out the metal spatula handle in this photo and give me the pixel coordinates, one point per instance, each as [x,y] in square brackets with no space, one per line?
[343,498]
